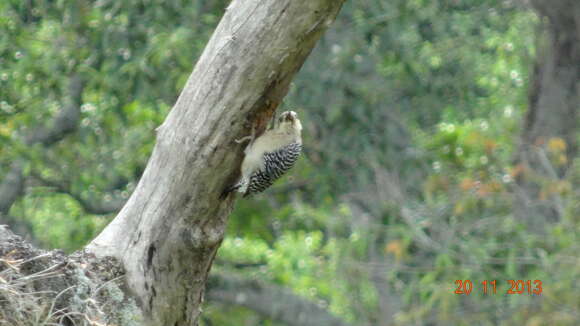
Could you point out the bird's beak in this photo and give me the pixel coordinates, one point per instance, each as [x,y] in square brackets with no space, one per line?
[290,116]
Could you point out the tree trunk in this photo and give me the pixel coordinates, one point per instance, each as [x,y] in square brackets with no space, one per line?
[168,233]
[47,287]
[548,142]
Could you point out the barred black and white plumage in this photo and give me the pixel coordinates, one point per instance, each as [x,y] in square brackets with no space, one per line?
[269,156]
[275,165]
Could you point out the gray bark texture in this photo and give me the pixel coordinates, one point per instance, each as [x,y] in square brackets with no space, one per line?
[39,287]
[167,234]
[553,112]
[42,288]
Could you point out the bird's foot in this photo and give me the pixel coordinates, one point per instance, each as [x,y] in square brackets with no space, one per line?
[250,137]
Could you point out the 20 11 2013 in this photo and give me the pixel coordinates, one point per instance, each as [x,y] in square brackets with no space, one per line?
[529,287]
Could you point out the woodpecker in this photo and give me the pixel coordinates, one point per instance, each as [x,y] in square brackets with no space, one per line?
[269,156]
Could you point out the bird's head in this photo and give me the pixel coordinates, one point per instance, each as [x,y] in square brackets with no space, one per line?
[289,122]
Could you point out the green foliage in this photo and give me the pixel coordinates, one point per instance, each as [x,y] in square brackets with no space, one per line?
[58,221]
[411,113]
[119,50]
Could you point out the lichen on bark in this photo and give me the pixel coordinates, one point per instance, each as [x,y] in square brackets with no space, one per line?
[41,287]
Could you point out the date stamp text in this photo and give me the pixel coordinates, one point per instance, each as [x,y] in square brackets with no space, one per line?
[528,287]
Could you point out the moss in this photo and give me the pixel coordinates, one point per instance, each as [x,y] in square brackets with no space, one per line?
[40,288]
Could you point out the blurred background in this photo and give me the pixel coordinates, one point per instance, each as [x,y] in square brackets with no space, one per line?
[432,152]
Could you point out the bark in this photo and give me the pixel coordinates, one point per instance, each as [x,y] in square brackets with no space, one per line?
[81,289]
[49,288]
[553,113]
[168,233]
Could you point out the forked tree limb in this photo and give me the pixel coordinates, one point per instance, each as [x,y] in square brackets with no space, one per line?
[169,231]
[79,288]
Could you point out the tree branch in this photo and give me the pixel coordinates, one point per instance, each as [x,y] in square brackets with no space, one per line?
[91,206]
[67,119]
[553,112]
[12,187]
[20,226]
[168,233]
[271,301]
[95,282]
[51,288]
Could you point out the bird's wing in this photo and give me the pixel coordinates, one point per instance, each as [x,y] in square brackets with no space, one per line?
[276,163]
